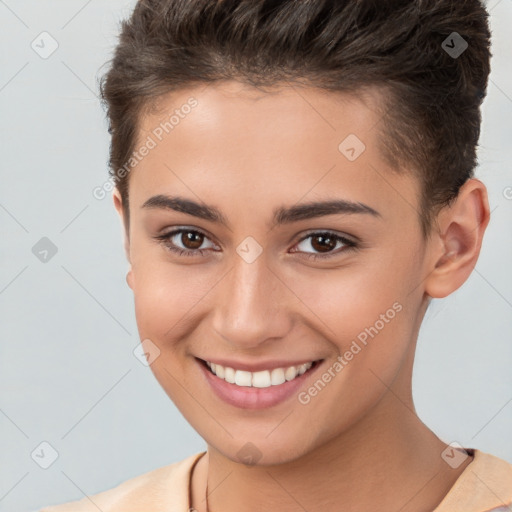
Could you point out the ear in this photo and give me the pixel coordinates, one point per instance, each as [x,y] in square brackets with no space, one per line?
[118,204]
[458,239]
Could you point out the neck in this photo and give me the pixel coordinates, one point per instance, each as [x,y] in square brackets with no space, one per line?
[388,460]
[368,466]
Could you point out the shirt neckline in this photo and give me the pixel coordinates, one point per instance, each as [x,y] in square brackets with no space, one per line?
[470,451]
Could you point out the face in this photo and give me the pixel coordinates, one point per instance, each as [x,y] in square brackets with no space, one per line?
[261,238]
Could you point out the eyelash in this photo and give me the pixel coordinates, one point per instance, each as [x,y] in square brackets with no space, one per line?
[350,245]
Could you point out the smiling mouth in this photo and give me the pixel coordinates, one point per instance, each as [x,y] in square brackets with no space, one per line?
[259,379]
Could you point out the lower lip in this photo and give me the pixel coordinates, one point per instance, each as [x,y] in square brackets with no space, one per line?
[246,397]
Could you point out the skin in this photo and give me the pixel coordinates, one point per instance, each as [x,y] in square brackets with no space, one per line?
[358,442]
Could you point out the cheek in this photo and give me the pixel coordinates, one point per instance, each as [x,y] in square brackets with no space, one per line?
[369,320]
[346,300]
[165,295]
[167,304]
[366,311]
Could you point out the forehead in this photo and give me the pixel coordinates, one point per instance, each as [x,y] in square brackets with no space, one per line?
[226,139]
[222,108]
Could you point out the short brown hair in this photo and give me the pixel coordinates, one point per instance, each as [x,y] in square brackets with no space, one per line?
[431,121]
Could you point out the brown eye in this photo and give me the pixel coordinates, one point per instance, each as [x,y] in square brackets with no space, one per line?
[192,239]
[186,242]
[323,245]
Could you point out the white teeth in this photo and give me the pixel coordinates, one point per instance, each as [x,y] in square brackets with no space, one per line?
[302,368]
[220,371]
[290,373]
[243,378]
[229,375]
[261,379]
[277,377]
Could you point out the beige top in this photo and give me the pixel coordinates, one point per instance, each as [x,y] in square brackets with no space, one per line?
[485,485]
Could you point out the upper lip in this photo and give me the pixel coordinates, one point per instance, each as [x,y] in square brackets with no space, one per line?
[259,366]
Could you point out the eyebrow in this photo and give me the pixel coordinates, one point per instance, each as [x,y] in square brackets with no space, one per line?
[282,215]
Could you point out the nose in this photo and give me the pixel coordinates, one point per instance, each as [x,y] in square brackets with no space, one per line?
[252,305]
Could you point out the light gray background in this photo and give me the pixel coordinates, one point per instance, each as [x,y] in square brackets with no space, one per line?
[67,372]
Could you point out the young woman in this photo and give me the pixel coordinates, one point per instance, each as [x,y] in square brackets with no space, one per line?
[295,182]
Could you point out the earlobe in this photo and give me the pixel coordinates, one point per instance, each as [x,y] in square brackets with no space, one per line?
[461,227]
[129,278]
[118,204]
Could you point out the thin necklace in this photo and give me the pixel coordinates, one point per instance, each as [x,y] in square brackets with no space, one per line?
[190,491]
[206,497]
